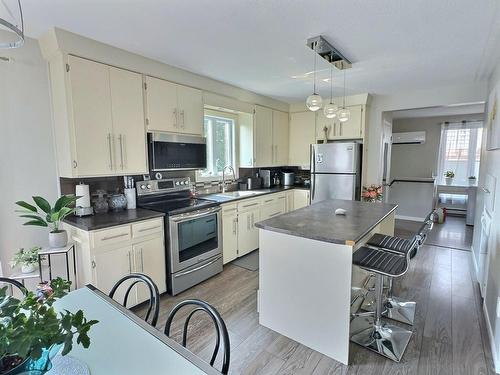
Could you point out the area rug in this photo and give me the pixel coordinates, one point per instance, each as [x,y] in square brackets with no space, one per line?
[249,261]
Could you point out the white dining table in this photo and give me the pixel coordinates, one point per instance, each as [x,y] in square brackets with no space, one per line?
[122,343]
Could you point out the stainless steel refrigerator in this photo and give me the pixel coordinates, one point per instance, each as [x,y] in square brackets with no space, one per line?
[336,171]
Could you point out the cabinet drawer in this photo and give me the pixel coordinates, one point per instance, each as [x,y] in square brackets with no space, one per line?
[229,208]
[110,236]
[145,228]
[248,204]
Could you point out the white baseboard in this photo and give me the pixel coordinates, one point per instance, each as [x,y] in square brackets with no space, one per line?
[494,350]
[411,218]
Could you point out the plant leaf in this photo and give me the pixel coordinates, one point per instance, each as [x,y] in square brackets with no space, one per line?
[27,206]
[39,223]
[35,217]
[64,201]
[43,204]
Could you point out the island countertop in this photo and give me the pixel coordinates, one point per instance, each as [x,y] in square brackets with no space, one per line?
[319,222]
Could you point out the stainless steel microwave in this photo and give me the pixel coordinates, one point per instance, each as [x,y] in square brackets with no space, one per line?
[176,151]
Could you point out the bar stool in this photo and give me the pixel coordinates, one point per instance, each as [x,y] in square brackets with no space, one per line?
[372,332]
[397,308]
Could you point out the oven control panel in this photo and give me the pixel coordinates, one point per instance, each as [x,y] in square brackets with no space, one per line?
[163,186]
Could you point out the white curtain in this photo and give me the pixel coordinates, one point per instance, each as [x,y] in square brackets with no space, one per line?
[459,150]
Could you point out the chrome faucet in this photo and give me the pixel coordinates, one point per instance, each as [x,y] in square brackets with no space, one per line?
[224,176]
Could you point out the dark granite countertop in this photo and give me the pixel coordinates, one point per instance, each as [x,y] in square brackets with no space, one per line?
[111,219]
[319,222]
[217,197]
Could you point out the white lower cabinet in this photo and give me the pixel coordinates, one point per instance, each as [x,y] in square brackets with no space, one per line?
[104,256]
[301,198]
[240,236]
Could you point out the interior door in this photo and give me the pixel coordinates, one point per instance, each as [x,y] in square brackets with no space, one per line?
[386,161]
[91,104]
[161,105]
[263,137]
[128,121]
[190,103]
[332,186]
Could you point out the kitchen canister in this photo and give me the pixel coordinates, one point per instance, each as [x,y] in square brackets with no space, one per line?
[130,195]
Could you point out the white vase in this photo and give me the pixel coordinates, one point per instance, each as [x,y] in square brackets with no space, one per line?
[472,181]
[448,180]
[58,239]
[27,268]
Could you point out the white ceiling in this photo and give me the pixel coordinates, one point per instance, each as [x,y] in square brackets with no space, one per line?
[455,110]
[259,44]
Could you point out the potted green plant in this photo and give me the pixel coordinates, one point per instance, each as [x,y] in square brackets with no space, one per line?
[31,329]
[472,180]
[448,177]
[49,216]
[27,259]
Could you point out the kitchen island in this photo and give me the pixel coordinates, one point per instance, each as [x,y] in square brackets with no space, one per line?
[306,273]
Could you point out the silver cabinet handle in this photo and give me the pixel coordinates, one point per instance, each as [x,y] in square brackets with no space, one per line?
[235,225]
[129,262]
[487,191]
[110,152]
[253,220]
[248,222]
[175,118]
[116,236]
[183,124]
[340,128]
[250,205]
[142,261]
[226,210]
[75,164]
[269,200]
[148,228]
[276,213]
[120,139]
[93,264]
[197,268]
[281,197]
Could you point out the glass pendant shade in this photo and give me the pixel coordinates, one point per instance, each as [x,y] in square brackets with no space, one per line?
[343,114]
[330,110]
[13,23]
[314,102]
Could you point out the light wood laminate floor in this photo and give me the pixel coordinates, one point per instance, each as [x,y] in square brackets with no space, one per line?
[449,335]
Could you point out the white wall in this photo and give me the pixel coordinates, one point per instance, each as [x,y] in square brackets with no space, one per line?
[27,161]
[491,164]
[438,96]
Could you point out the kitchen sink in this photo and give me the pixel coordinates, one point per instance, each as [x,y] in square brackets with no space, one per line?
[239,194]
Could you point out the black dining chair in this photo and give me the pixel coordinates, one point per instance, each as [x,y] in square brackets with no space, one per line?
[13,284]
[220,328]
[154,295]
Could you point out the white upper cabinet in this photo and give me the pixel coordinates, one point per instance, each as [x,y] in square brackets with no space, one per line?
[351,129]
[280,138]
[98,118]
[264,143]
[302,125]
[173,108]
[92,119]
[128,121]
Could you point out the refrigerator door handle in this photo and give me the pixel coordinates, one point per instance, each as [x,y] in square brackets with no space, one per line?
[313,159]
[313,186]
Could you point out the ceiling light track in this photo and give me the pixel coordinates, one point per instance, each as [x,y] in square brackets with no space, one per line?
[328,52]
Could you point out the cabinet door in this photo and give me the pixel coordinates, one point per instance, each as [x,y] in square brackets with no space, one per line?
[248,234]
[229,237]
[149,259]
[302,125]
[128,121]
[300,198]
[330,124]
[190,107]
[353,128]
[109,267]
[272,208]
[161,105]
[91,107]
[280,138]
[289,201]
[263,137]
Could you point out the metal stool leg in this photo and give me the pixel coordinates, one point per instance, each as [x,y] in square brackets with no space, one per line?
[375,334]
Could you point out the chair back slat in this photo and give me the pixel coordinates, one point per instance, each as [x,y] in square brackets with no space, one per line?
[14,284]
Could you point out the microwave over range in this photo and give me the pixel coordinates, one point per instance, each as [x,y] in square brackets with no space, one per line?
[175,151]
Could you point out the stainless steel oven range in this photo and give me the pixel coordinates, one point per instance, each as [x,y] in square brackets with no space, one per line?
[193,233]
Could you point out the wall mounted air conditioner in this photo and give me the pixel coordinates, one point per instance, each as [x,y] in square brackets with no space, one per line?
[409,138]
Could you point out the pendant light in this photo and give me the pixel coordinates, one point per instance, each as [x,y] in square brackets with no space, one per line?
[344,114]
[314,101]
[15,25]
[331,109]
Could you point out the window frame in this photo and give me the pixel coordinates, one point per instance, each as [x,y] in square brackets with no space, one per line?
[229,115]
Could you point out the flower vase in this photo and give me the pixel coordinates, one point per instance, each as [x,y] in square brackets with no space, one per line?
[38,367]
[448,180]
[27,268]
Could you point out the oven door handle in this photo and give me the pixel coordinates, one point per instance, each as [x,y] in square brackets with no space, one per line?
[198,268]
[195,216]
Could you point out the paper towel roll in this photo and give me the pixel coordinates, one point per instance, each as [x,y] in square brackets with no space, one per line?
[82,191]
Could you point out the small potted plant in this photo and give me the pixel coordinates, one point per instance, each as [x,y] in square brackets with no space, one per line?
[448,177]
[31,331]
[372,193]
[27,259]
[49,216]
[472,180]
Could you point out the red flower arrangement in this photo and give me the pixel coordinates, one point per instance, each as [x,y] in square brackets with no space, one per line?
[372,193]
